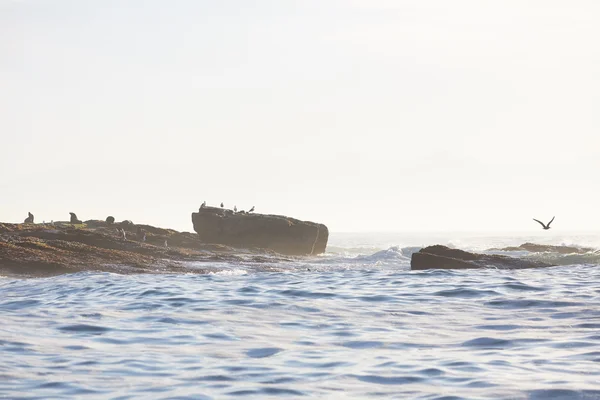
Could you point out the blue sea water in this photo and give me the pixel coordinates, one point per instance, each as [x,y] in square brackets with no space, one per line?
[354,323]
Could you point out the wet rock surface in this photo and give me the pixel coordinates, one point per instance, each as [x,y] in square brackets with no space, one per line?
[544,248]
[442,257]
[61,247]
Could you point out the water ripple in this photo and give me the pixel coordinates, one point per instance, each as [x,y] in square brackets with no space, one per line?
[381,331]
[262,353]
[83,328]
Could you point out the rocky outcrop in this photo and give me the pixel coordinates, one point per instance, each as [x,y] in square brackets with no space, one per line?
[281,234]
[545,248]
[442,257]
[61,247]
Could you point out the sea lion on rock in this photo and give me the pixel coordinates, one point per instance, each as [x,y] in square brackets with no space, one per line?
[29,219]
[110,220]
[74,219]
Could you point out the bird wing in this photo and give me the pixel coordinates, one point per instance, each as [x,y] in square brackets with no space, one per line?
[551,220]
[539,222]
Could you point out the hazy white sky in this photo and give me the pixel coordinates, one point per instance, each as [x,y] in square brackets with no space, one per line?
[362,114]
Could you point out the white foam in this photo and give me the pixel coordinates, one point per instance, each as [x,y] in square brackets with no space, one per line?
[369,243]
[230,272]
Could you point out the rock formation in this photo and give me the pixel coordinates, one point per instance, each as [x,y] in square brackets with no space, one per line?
[248,230]
[43,250]
[442,257]
[546,248]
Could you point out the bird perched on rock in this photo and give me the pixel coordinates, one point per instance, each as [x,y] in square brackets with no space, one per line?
[203,205]
[234,208]
[250,210]
[110,220]
[74,219]
[29,219]
[122,233]
[547,226]
[141,234]
[222,205]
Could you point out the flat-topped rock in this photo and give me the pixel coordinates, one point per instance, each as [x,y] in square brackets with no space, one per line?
[442,257]
[279,233]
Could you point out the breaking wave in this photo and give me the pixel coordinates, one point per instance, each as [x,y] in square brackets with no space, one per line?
[391,258]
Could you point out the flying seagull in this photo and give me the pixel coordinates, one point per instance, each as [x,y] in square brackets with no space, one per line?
[547,226]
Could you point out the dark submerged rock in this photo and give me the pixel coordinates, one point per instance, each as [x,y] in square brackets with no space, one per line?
[281,234]
[442,257]
[545,248]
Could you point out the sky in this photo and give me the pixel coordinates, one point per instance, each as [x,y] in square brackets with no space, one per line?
[364,115]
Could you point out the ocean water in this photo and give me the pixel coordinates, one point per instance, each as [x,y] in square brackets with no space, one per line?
[353,323]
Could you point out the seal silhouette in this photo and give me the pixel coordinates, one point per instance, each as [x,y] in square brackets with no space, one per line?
[74,219]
